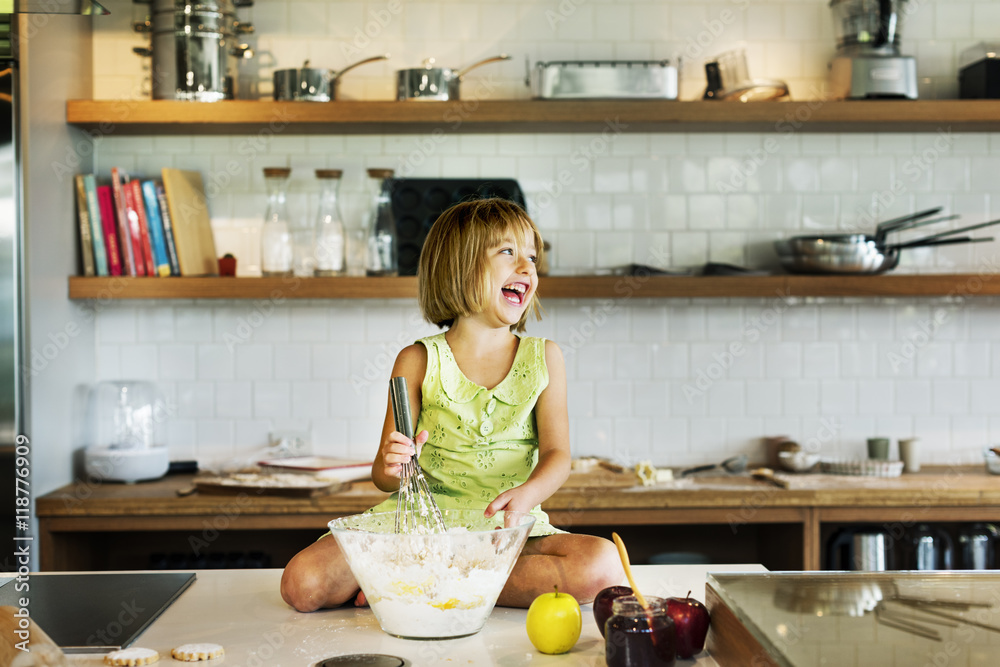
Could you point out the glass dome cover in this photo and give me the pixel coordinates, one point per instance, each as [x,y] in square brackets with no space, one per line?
[126,420]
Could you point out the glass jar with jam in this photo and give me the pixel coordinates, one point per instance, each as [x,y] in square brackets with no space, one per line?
[638,637]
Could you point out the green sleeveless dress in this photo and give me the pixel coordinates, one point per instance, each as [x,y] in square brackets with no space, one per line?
[482,441]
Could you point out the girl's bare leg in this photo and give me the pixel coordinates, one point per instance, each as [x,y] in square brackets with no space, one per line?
[580,565]
[318,577]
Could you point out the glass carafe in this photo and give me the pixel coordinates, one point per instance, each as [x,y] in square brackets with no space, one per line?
[276,236]
[383,249]
[330,237]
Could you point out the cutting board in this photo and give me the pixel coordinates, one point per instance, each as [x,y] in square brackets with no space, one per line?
[278,484]
[600,477]
[191,222]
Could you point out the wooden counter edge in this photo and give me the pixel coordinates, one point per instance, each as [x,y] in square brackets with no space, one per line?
[729,642]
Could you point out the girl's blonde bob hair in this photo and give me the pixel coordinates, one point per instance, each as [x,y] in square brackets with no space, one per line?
[452,276]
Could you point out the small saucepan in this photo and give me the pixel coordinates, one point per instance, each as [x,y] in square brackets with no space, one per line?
[438,84]
[311,84]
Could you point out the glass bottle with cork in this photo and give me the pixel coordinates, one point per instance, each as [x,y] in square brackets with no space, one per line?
[275,235]
[330,238]
[383,244]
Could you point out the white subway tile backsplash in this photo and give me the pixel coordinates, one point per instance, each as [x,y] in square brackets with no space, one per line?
[671,200]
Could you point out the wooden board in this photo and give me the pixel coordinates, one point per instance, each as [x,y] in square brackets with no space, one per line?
[272,485]
[600,477]
[729,642]
[191,222]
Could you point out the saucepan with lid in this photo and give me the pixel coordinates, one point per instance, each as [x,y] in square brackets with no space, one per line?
[438,84]
[312,84]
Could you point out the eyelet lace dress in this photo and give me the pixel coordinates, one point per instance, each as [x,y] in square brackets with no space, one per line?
[481,441]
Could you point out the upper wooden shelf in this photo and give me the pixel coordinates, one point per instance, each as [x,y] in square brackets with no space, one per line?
[385,117]
[552,287]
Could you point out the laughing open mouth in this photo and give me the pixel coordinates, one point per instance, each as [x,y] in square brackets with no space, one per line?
[515,292]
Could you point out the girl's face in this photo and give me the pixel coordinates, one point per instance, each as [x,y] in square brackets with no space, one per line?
[512,276]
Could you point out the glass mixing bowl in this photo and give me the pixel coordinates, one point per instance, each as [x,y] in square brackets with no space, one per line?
[435,585]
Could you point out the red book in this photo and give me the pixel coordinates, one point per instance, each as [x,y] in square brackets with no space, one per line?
[137,218]
[108,220]
[126,241]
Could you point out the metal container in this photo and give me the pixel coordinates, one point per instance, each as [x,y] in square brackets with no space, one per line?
[436,84]
[864,550]
[611,79]
[311,84]
[194,48]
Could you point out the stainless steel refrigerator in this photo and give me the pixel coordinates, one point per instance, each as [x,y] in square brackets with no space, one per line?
[10,394]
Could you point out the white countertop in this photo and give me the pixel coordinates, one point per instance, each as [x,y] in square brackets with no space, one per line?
[243,611]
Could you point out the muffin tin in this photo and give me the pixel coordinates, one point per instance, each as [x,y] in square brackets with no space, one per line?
[417,203]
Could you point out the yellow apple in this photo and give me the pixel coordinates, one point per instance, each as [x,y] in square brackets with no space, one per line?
[554,622]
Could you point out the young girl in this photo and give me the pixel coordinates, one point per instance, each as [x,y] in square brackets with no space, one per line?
[492,430]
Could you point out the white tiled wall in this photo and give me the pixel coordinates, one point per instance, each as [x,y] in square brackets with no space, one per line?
[648,379]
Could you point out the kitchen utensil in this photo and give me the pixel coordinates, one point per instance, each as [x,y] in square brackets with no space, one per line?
[767,475]
[435,83]
[979,72]
[931,548]
[878,449]
[862,467]
[312,84]
[992,459]
[868,63]
[977,544]
[909,454]
[798,461]
[416,509]
[607,79]
[627,566]
[865,549]
[734,464]
[728,79]
[194,50]
[860,253]
[432,585]
[126,431]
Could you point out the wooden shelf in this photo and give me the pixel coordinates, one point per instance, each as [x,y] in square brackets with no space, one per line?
[386,117]
[552,287]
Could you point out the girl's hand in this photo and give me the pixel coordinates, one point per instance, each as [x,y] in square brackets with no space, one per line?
[518,499]
[398,449]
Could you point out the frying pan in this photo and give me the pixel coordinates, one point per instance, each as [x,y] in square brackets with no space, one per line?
[862,253]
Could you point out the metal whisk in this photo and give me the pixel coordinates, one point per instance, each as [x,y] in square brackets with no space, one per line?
[416,508]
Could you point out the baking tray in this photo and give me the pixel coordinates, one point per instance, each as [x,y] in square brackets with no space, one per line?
[97,612]
[417,203]
[605,79]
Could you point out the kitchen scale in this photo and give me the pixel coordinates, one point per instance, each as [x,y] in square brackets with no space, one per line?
[871,619]
[868,64]
[96,612]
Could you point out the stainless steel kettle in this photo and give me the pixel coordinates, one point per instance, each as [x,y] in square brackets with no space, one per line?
[977,544]
[931,548]
[863,549]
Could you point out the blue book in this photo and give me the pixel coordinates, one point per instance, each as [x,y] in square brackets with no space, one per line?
[168,230]
[160,258]
[96,230]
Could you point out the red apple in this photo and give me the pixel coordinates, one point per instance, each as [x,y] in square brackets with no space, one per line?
[602,604]
[691,620]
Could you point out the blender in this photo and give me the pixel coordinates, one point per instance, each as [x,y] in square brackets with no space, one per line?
[868,64]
